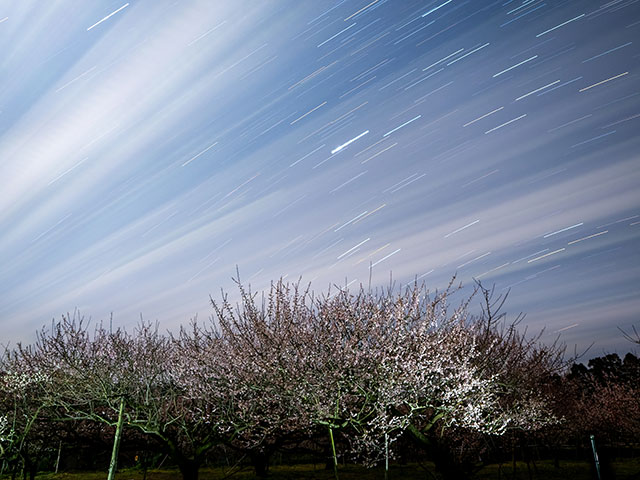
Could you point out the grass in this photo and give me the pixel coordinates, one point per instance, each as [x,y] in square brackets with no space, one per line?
[629,469]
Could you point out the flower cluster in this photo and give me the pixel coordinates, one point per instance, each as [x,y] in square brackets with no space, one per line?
[20,381]
[6,432]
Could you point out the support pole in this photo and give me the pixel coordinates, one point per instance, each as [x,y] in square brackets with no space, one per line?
[386,456]
[58,458]
[113,466]
[595,455]
[335,457]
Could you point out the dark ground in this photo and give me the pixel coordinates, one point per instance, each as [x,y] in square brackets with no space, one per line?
[629,469]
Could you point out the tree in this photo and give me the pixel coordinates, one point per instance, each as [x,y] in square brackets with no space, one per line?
[360,369]
[20,409]
[245,370]
[606,397]
[120,380]
[370,366]
[395,363]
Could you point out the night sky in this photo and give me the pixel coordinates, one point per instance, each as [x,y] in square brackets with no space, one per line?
[148,148]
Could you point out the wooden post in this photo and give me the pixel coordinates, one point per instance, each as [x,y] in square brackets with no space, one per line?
[116,442]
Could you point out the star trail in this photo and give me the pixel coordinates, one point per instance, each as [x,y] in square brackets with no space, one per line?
[148,148]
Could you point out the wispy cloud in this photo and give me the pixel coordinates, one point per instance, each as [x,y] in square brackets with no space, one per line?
[148,149]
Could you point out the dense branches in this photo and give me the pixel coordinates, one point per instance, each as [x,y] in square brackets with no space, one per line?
[356,371]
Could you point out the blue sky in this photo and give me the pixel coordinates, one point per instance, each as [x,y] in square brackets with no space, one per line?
[149,147]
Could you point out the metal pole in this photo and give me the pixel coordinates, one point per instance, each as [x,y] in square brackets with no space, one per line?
[113,466]
[595,455]
[335,457]
[386,456]
[58,459]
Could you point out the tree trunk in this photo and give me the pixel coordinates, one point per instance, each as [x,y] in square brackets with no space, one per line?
[29,467]
[189,468]
[260,462]
[447,466]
